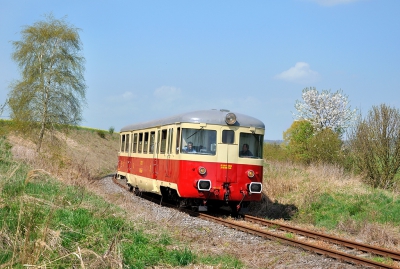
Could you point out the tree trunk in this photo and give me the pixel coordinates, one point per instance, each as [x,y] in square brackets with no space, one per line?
[44,118]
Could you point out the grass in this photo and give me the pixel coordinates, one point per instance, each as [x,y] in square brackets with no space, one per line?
[330,199]
[289,235]
[46,223]
[70,223]
[377,206]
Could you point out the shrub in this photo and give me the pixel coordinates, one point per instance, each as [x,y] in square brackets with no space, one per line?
[297,140]
[308,145]
[375,146]
[101,133]
[275,152]
[325,147]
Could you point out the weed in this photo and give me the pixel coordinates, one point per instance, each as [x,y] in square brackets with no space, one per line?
[101,133]
[223,261]
[183,257]
[383,260]
[289,235]
[165,239]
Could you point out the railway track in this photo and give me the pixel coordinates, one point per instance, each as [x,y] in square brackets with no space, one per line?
[330,246]
[328,238]
[319,248]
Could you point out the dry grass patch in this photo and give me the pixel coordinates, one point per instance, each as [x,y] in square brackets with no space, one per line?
[75,156]
[290,189]
[372,233]
[296,184]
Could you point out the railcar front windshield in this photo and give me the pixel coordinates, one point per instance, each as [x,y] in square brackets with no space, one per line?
[251,145]
[199,141]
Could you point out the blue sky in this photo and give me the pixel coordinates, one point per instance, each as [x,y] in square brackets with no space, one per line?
[150,59]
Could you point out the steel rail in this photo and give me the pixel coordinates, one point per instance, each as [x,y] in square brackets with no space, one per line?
[333,239]
[298,243]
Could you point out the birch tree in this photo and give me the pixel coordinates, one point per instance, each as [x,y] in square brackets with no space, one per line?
[2,107]
[325,110]
[52,87]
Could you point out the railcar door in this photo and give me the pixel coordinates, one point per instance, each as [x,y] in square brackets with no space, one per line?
[129,153]
[153,151]
[160,159]
[227,156]
[168,168]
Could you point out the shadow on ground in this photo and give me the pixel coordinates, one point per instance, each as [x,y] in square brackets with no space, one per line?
[266,208]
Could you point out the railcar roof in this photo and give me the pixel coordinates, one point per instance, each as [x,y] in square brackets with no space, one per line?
[212,116]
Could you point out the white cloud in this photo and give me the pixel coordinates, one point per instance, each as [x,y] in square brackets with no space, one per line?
[121,97]
[300,73]
[127,95]
[167,98]
[330,3]
[167,93]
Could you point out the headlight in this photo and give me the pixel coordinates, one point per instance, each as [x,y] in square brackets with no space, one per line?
[230,118]
[250,173]
[202,170]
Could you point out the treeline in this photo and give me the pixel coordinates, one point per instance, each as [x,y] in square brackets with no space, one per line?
[369,146]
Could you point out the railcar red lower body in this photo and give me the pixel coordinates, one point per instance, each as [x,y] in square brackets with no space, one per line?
[229,182]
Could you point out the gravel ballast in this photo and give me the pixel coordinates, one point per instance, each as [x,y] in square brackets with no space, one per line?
[205,237]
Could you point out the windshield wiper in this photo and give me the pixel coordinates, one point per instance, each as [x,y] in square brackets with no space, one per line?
[195,133]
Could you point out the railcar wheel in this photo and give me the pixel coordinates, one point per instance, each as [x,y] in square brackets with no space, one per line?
[130,187]
[235,208]
[137,191]
[170,195]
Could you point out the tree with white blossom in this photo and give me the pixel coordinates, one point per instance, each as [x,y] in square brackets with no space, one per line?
[325,110]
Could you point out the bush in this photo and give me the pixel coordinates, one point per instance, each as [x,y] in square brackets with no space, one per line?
[375,146]
[325,147]
[101,133]
[297,140]
[111,130]
[308,145]
[275,152]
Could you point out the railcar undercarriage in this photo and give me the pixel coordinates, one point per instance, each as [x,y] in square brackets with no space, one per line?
[202,205]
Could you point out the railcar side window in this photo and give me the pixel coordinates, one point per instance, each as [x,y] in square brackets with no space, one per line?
[171,133]
[228,136]
[134,143]
[127,143]
[140,143]
[198,141]
[146,142]
[251,145]
[152,137]
[178,133]
[122,143]
[163,141]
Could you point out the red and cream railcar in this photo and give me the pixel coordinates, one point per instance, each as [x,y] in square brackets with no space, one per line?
[197,158]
